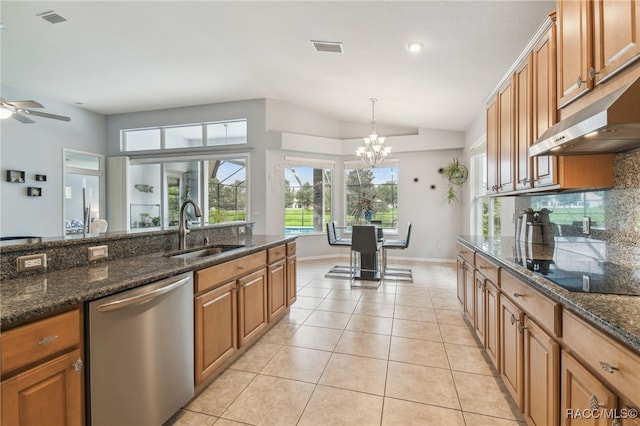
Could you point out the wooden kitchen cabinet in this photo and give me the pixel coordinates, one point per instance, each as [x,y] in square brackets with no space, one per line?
[42,372]
[493,149]
[581,391]
[50,393]
[574,49]
[252,306]
[460,281]
[277,291]
[487,306]
[216,329]
[541,378]
[469,292]
[523,123]
[292,274]
[511,349]
[492,326]
[596,39]
[480,306]
[544,103]
[506,137]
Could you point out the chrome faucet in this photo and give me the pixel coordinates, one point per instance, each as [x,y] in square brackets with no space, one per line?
[183,228]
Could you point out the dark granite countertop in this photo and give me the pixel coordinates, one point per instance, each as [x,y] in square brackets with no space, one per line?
[617,315]
[26,297]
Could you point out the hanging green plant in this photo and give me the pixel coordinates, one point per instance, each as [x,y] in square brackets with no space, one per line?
[457,174]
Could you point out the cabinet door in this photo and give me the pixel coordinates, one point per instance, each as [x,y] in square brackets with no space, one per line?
[523,123]
[492,326]
[51,391]
[574,49]
[511,358]
[292,280]
[492,146]
[544,104]
[541,376]
[581,392]
[460,282]
[616,35]
[506,135]
[469,292]
[252,305]
[480,306]
[277,290]
[216,329]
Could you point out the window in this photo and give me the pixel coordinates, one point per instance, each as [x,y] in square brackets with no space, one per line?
[158,189]
[307,195]
[380,185]
[184,137]
[479,215]
[83,185]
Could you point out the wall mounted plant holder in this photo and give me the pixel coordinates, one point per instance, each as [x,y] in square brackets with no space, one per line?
[41,178]
[15,176]
[34,192]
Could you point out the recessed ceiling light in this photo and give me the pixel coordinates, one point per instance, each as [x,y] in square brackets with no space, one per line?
[414,47]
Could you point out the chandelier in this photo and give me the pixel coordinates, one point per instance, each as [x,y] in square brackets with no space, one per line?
[373,152]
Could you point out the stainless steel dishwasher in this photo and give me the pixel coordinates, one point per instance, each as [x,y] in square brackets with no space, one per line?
[140,353]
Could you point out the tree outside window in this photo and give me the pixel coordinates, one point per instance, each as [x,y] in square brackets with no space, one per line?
[307,198]
[378,185]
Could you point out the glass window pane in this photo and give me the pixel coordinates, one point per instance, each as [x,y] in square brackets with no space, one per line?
[144,198]
[141,140]
[228,133]
[81,191]
[183,137]
[375,189]
[79,160]
[307,199]
[182,182]
[226,192]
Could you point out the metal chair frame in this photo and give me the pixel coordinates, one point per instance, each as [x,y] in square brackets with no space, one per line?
[398,273]
[365,241]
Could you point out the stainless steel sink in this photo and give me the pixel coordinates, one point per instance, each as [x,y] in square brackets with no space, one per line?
[205,252]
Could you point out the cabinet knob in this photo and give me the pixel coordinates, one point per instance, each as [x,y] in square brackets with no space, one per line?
[594,404]
[240,267]
[592,73]
[77,366]
[579,82]
[608,367]
[521,328]
[518,295]
[513,319]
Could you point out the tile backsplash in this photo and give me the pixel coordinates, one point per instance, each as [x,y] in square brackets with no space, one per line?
[614,213]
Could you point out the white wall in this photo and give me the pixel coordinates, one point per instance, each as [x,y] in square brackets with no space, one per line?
[37,149]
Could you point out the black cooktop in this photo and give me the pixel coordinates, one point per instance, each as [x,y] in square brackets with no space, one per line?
[587,276]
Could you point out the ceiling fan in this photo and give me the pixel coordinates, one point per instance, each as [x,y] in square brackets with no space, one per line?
[20,110]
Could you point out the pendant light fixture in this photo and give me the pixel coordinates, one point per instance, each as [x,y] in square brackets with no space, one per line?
[373,152]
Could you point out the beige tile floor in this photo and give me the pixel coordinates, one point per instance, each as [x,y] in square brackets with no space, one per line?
[398,355]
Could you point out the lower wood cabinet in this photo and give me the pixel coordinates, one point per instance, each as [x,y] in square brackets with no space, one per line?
[582,392]
[216,329]
[292,273]
[492,325]
[541,379]
[252,306]
[277,290]
[511,349]
[469,292]
[480,306]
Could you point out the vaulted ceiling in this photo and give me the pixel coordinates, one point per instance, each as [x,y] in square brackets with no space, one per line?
[123,56]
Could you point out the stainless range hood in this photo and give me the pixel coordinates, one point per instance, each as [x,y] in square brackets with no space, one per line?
[609,125]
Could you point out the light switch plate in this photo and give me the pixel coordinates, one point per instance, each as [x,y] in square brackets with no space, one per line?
[97,253]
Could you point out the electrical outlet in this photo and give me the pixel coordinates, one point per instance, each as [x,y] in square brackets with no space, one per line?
[97,252]
[586,225]
[32,262]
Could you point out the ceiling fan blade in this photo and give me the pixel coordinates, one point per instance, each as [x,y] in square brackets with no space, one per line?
[22,118]
[25,104]
[47,115]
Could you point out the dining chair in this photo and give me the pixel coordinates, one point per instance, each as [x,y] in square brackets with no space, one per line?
[335,240]
[367,266]
[401,273]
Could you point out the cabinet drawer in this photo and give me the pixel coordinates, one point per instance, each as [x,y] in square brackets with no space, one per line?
[615,364]
[488,269]
[542,310]
[29,343]
[219,274]
[276,253]
[291,248]
[466,253]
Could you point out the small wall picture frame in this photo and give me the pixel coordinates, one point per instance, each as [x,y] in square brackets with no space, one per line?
[41,178]
[33,191]
[15,176]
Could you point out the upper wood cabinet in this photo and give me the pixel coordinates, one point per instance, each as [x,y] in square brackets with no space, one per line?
[492,146]
[544,110]
[523,122]
[596,39]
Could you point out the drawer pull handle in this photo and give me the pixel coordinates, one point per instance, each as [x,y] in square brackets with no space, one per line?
[518,295]
[47,340]
[594,404]
[77,366]
[608,367]
[483,267]
[513,319]
[240,267]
